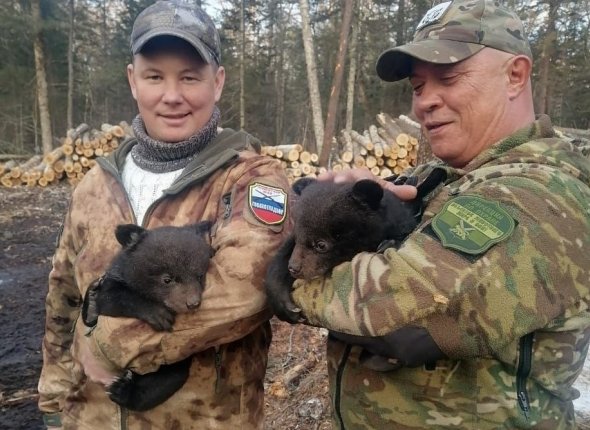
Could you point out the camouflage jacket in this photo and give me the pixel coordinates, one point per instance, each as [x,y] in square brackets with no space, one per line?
[228,335]
[498,272]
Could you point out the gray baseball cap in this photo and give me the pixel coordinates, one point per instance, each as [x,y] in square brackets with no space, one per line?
[180,18]
[453,31]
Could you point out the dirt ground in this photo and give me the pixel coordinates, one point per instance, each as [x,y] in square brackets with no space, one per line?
[29,220]
[296,382]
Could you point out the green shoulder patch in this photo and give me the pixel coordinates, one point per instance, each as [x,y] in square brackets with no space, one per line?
[472,225]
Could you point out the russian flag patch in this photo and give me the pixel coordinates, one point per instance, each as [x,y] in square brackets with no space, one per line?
[267,204]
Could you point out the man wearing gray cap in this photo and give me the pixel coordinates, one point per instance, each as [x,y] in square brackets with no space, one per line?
[497,273]
[179,169]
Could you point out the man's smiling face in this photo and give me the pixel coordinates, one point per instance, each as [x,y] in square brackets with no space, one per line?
[462,107]
[175,91]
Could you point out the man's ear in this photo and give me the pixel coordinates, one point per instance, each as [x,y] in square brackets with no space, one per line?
[131,80]
[519,73]
[219,82]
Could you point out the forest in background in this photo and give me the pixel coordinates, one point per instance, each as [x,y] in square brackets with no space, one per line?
[295,68]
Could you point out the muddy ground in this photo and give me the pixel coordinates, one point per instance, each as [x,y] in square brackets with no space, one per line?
[29,221]
[296,385]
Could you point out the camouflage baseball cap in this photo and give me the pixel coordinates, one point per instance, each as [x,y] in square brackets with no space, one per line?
[453,31]
[180,18]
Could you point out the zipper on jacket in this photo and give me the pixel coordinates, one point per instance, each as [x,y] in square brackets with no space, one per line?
[523,371]
[338,388]
[217,368]
[123,415]
[227,205]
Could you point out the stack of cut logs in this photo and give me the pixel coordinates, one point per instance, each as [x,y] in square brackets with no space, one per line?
[71,160]
[386,149]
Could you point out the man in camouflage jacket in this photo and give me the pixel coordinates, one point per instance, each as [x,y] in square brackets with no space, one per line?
[228,336]
[497,274]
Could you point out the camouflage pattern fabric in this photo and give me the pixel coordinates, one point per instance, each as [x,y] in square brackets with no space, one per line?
[179,18]
[453,31]
[228,336]
[512,319]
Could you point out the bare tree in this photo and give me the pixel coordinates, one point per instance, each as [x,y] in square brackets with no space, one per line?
[70,107]
[336,83]
[242,66]
[312,77]
[547,56]
[41,77]
[352,69]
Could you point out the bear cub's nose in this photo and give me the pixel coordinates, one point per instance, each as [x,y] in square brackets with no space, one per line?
[193,303]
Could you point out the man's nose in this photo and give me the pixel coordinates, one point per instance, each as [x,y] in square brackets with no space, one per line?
[172,93]
[428,100]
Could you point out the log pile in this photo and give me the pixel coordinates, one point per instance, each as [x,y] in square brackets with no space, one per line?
[386,149]
[71,160]
[295,160]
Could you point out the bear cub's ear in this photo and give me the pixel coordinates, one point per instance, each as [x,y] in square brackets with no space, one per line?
[302,183]
[368,192]
[129,235]
[203,227]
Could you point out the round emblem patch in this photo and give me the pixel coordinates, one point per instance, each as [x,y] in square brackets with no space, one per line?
[268,204]
[472,225]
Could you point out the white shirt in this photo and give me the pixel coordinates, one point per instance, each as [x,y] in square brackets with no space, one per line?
[144,187]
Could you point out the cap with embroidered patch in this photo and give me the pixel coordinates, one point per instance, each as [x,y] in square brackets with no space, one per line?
[453,31]
[180,18]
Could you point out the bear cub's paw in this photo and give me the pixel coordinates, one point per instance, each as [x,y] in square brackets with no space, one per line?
[90,305]
[160,318]
[121,390]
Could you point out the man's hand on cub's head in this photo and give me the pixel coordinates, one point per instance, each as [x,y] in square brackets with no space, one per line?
[404,192]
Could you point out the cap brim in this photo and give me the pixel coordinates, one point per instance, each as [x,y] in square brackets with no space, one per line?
[396,63]
[201,48]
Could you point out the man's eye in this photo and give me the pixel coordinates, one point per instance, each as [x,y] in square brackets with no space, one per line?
[448,78]
[154,77]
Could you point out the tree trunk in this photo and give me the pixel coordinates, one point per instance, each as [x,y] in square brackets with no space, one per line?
[41,76]
[352,69]
[400,37]
[547,57]
[242,67]
[336,83]
[70,108]
[280,75]
[312,77]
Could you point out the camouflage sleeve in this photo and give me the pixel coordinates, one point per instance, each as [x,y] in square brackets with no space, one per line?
[62,308]
[472,304]
[234,302]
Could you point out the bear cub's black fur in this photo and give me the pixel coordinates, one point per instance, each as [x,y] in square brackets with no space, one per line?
[333,223]
[157,274]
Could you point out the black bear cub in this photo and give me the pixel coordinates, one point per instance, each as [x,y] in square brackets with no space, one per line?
[333,223]
[157,274]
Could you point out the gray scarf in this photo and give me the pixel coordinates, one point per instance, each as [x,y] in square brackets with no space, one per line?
[160,157]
